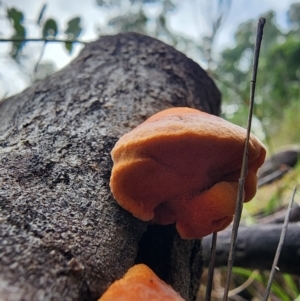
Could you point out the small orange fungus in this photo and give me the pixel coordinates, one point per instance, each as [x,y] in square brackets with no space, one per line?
[140,284]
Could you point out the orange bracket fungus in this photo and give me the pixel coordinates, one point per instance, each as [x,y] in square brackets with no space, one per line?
[182,166]
[139,284]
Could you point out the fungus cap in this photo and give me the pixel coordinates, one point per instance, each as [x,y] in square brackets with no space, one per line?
[140,284]
[182,166]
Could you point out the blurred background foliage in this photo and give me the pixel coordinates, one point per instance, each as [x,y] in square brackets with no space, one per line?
[278,90]
[276,117]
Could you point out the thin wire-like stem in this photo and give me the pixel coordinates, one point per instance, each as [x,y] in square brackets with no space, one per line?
[211,267]
[244,169]
[280,245]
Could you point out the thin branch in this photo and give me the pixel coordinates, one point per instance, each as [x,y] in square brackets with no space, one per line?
[40,57]
[280,244]
[240,195]
[43,40]
[211,267]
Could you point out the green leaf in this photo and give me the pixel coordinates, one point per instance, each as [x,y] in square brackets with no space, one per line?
[38,22]
[50,28]
[19,30]
[291,284]
[73,31]
[15,15]
[69,47]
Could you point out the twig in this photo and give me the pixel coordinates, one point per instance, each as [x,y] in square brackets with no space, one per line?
[43,40]
[240,195]
[280,244]
[40,57]
[211,267]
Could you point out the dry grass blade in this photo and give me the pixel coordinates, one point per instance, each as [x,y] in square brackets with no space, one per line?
[211,267]
[280,244]
[240,196]
[219,294]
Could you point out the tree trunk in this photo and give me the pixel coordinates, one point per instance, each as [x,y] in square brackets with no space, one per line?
[63,237]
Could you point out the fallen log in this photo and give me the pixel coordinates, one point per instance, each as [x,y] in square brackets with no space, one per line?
[256,247]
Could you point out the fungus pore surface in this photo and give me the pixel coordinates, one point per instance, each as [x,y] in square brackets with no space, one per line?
[182,166]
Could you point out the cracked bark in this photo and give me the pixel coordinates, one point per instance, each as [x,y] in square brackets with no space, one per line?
[63,237]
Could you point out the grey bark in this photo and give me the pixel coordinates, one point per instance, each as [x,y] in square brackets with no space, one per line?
[63,236]
[256,247]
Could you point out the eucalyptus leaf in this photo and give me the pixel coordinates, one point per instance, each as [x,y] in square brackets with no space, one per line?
[15,15]
[74,28]
[69,47]
[42,12]
[73,31]
[19,31]
[50,28]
